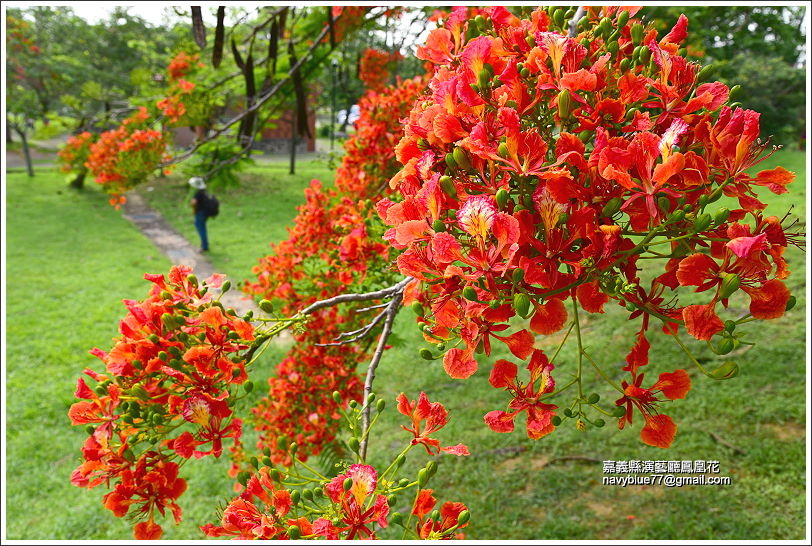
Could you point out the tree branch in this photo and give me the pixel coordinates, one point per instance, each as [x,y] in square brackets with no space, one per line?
[574,21]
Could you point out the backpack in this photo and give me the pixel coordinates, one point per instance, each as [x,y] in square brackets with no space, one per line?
[211,206]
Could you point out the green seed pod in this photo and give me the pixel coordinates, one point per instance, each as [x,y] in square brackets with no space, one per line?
[438,226]
[705,73]
[248,386]
[266,306]
[611,207]
[426,354]
[521,303]
[518,275]
[791,303]
[702,222]
[469,293]
[721,216]
[431,468]
[730,283]
[637,33]
[619,411]
[622,18]
[294,533]
[422,477]
[354,444]
[448,185]
[599,422]
[347,484]
[593,398]
[502,197]
[503,150]
[728,370]
[461,158]
[725,346]
[556,420]
[564,104]
[381,405]
[449,160]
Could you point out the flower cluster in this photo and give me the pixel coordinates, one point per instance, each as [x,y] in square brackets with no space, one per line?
[167,394]
[354,504]
[126,155]
[545,167]
[185,103]
[76,151]
[334,244]
[373,68]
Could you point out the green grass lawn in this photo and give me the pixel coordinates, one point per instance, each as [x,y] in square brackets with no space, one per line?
[71,259]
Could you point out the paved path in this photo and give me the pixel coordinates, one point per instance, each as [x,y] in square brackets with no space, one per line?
[178,249]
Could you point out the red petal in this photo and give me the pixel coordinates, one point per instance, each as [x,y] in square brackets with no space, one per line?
[500,421]
[701,321]
[459,450]
[147,530]
[638,356]
[659,431]
[549,317]
[673,385]
[769,301]
[520,343]
[424,503]
[695,269]
[591,298]
[503,373]
[459,364]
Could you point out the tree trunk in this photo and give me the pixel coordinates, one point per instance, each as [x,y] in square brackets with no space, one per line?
[293,140]
[78,183]
[26,151]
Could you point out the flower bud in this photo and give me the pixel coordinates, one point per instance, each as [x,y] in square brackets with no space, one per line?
[403,482]
[254,462]
[558,18]
[611,207]
[448,186]
[624,64]
[791,303]
[400,460]
[307,494]
[599,422]
[502,197]
[521,303]
[266,306]
[556,420]
[705,73]
[347,484]
[469,293]
[613,47]
[564,104]
[395,518]
[503,150]
[168,321]
[622,18]
[381,405]
[594,398]
[243,477]
[619,411]
[294,532]
[337,397]
[463,518]
[728,370]
[248,386]
[725,346]
[483,78]
[425,354]
[276,475]
[192,279]
[295,496]
[702,222]
[422,477]
[434,515]
[524,72]
[518,275]
[226,286]
[293,447]
[431,468]
[449,160]
[730,325]
[354,444]
[267,461]
[461,159]
[730,283]
[721,216]
[438,226]
[734,91]
[568,412]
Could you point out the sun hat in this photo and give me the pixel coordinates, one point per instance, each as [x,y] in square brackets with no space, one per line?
[197,183]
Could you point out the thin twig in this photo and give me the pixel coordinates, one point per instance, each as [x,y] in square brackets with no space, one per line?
[358,334]
[371,307]
[391,312]
[344,298]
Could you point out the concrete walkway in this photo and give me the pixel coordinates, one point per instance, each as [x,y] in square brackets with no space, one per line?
[179,251]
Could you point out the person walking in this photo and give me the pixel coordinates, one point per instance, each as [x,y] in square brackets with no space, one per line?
[200,207]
